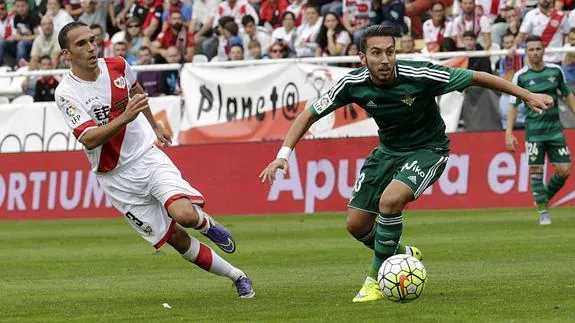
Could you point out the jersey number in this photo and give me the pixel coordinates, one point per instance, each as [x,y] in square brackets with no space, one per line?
[360,179]
[532,149]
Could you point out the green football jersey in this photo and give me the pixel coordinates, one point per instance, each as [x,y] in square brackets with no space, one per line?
[406,112]
[550,81]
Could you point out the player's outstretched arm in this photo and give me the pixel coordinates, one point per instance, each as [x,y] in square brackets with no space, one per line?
[100,135]
[510,139]
[535,101]
[161,133]
[296,132]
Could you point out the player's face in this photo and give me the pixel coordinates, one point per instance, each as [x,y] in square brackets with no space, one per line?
[379,58]
[83,51]
[535,51]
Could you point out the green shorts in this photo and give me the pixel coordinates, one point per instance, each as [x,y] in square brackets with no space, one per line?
[556,149]
[417,170]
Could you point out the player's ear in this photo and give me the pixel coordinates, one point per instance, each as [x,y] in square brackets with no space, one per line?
[362,58]
[66,53]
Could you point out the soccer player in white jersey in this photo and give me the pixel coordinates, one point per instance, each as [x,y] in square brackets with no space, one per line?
[109,114]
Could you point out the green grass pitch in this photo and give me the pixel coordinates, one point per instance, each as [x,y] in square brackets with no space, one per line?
[483,265]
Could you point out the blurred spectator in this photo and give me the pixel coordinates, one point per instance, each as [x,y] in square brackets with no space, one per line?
[236,9]
[470,20]
[332,38]
[255,50]
[5,22]
[306,33]
[297,7]
[482,64]
[407,44]
[175,35]
[183,7]
[60,17]
[277,50]
[151,81]
[569,59]
[148,15]
[393,12]
[236,52]
[272,11]
[95,13]
[171,79]
[435,27]
[133,38]
[356,17]
[230,36]
[287,32]
[509,65]
[26,28]
[510,25]
[45,85]
[448,45]
[203,13]
[329,6]
[551,25]
[251,32]
[104,45]
[74,8]
[121,49]
[415,9]
[210,46]
[46,44]
[351,50]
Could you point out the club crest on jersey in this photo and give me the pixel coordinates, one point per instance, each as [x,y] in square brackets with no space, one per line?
[551,79]
[408,100]
[120,82]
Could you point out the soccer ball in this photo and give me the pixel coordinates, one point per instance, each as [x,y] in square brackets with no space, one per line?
[402,278]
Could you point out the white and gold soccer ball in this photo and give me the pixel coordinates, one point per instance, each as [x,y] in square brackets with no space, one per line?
[402,278]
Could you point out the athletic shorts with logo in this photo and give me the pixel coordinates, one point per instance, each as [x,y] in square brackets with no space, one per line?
[418,170]
[143,189]
[556,149]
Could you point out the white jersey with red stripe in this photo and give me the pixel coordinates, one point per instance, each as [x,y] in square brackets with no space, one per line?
[86,105]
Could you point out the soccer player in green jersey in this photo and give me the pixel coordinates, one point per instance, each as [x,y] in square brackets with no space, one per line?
[413,150]
[543,132]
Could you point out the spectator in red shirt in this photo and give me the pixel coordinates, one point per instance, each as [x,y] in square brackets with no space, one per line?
[175,35]
[272,11]
[149,15]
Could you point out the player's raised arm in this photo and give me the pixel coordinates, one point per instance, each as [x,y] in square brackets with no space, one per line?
[535,101]
[337,96]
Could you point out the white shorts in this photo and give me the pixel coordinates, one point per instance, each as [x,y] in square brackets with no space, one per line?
[143,189]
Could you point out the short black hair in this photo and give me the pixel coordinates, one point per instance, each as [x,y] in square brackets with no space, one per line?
[43,57]
[469,33]
[145,48]
[376,31]
[247,19]
[63,35]
[532,38]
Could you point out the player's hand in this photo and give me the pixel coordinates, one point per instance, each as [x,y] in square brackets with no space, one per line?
[539,102]
[269,172]
[137,104]
[163,135]
[510,141]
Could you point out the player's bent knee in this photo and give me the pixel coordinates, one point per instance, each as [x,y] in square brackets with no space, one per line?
[392,202]
[184,213]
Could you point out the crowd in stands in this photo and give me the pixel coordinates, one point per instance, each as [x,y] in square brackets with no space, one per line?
[176,31]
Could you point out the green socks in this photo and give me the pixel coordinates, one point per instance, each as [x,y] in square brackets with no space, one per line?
[387,235]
